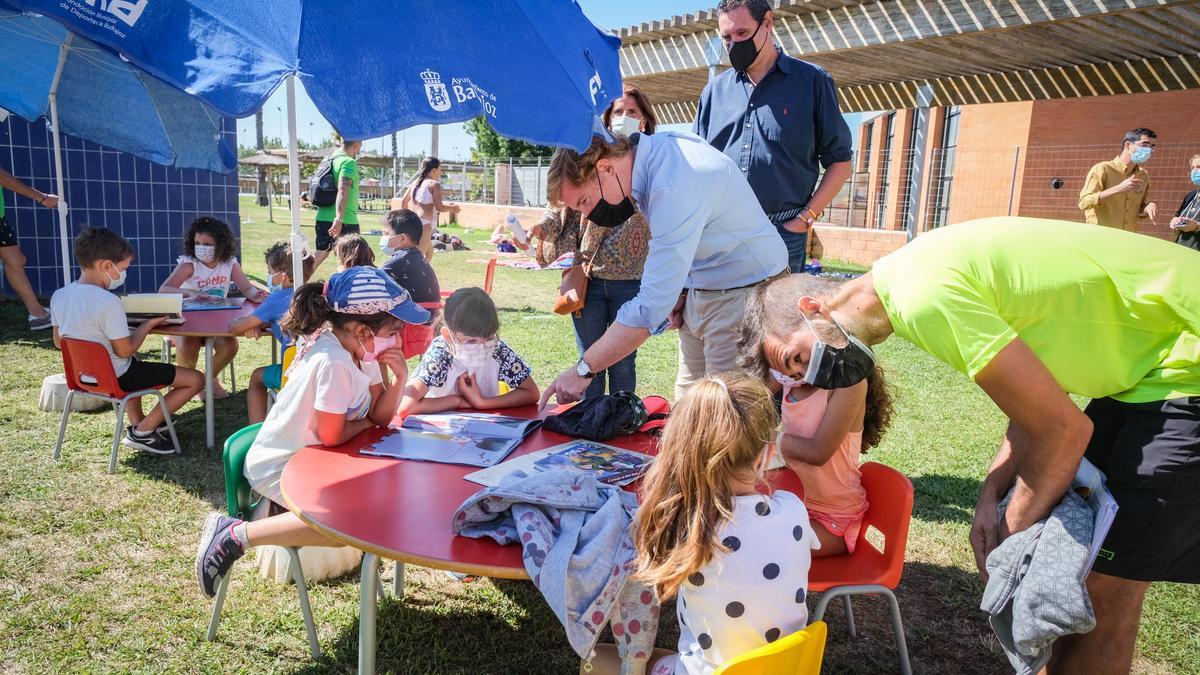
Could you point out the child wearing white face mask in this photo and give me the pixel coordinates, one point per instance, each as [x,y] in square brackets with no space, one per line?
[466,363]
[206,269]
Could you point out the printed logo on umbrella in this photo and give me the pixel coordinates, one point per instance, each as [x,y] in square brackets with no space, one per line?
[435,91]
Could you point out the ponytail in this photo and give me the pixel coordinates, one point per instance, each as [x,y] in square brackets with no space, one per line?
[427,166]
[309,311]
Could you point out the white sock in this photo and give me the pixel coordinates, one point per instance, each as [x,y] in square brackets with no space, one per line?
[239,533]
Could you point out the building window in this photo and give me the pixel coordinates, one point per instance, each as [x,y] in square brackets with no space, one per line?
[885,170]
[943,169]
[909,157]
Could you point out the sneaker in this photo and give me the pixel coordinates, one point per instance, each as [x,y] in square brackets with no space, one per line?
[40,322]
[217,551]
[151,442]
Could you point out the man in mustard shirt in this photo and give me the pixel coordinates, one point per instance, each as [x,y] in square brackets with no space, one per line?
[1033,310]
[1117,192]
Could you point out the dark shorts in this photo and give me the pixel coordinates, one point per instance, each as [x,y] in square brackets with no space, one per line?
[324,241]
[1150,453]
[147,375]
[8,236]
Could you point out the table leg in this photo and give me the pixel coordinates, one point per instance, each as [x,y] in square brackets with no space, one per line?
[210,434]
[367,608]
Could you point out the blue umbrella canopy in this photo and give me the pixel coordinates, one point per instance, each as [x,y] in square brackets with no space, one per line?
[538,70]
[104,99]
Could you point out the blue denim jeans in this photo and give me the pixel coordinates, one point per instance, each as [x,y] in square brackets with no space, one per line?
[600,307]
[797,249]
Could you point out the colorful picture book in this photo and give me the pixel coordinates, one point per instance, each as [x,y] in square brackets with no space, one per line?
[201,303]
[471,439]
[608,464]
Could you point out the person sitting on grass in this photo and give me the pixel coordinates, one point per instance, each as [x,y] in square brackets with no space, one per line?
[87,310]
[466,363]
[267,316]
[353,251]
[737,558]
[207,268]
[402,232]
[349,328]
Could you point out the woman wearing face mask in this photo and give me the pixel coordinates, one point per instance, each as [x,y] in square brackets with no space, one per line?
[464,366]
[336,389]
[207,269]
[424,195]
[614,257]
[710,245]
[1186,222]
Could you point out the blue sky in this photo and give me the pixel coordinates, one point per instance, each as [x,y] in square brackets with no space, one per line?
[454,142]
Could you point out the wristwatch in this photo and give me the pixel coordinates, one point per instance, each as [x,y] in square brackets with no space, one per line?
[583,370]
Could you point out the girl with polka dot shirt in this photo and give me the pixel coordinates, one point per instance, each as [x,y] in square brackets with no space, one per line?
[709,531]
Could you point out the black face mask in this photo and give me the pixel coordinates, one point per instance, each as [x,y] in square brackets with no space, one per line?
[604,214]
[838,367]
[742,54]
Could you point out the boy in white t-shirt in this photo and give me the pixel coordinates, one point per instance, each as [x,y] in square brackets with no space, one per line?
[335,390]
[87,310]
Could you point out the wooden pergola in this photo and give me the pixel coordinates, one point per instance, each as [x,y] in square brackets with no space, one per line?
[884,53]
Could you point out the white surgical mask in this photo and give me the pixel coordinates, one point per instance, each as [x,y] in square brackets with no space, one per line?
[472,356]
[383,244]
[205,254]
[382,344]
[114,284]
[623,125]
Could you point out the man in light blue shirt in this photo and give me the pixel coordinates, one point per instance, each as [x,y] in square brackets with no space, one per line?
[710,245]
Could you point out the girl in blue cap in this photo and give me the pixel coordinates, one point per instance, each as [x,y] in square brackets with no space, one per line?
[349,329]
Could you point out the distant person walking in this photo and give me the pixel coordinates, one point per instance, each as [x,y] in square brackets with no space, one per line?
[10,252]
[1186,222]
[424,196]
[778,119]
[342,217]
[1116,193]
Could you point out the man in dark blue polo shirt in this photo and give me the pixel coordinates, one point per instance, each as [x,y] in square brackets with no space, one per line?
[776,117]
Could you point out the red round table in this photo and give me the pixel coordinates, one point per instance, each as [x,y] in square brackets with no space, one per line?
[402,510]
[209,324]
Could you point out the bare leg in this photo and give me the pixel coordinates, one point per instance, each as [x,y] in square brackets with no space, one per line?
[187,384]
[224,350]
[256,397]
[831,544]
[426,245]
[318,258]
[284,530]
[608,662]
[133,411]
[14,271]
[1109,647]
[187,351]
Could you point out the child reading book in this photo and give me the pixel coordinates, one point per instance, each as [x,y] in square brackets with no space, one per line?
[737,557]
[206,270]
[267,316]
[466,363]
[87,310]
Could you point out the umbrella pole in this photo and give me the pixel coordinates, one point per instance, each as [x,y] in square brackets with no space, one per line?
[294,185]
[64,233]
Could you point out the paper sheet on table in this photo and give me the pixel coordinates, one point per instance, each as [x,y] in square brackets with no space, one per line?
[1089,483]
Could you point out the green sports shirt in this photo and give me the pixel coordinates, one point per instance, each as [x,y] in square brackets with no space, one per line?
[343,166]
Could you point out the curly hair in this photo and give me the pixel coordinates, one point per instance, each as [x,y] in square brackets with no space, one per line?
[572,168]
[226,244]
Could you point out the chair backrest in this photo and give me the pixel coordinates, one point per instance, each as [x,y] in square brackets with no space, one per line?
[237,489]
[88,367]
[890,498]
[800,653]
[489,275]
[289,354]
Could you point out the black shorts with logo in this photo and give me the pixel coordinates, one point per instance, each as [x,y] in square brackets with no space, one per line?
[8,236]
[324,241]
[1150,453]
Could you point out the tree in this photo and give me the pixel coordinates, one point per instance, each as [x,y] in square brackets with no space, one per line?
[262,170]
[490,144]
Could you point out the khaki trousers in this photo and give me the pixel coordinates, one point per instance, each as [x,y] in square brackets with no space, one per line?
[712,323]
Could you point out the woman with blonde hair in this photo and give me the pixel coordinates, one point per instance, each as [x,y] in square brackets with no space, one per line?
[710,530]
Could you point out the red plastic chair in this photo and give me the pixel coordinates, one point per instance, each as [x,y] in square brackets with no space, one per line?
[869,571]
[90,373]
[489,276]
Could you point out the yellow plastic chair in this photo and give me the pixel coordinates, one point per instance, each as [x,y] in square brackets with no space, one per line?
[800,653]
[288,355]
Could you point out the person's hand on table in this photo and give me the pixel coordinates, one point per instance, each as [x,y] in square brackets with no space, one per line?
[985,531]
[566,388]
[395,361]
[675,318]
[468,389]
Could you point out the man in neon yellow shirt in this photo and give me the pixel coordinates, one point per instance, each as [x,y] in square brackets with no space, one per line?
[342,217]
[1032,310]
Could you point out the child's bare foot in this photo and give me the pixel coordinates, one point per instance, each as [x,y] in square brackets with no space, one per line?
[219,392]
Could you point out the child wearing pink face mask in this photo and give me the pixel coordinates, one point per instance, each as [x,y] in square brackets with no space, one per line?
[207,269]
[465,365]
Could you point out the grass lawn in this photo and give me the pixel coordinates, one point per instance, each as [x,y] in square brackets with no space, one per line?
[96,571]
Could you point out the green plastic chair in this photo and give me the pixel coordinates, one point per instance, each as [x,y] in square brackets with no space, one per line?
[240,501]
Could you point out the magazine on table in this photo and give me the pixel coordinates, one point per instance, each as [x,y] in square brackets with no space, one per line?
[1089,484]
[200,303]
[471,439]
[609,464]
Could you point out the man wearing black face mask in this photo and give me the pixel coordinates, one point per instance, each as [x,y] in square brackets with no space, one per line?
[777,118]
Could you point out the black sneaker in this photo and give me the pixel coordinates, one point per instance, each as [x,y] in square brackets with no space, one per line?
[217,551]
[40,323]
[151,442]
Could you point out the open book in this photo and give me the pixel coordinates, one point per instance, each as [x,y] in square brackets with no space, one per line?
[1089,484]
[608,464]
[202,302]
[473,439]
[142,306]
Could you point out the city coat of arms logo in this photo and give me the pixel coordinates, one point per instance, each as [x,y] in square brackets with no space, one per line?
[435,91]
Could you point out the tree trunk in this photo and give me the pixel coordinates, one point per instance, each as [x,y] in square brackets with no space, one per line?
[262,171]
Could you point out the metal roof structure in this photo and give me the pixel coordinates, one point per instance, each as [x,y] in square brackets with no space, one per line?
[968,51]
